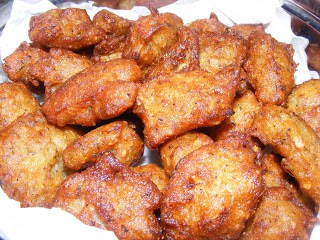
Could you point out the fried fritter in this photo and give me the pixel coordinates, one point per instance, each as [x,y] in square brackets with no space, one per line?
[279,216]
[155,173]
[172,151]
[57,67]
[109,195]
[31,166]
[270,68]
[245,30]
[69,28]
[304,101]
[217,52]
[173,104]
[212,192]
[117,137]
[181,56]
[293,139]
[17,64]
[150,36]
[102,91]
[15,100]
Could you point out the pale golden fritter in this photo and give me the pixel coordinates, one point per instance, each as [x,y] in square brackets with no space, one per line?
[150,36]
[245,30]
[304,101]
[279,216]
[15,100]
[212,192]
[31,166]
[293,139]
[173,104]
[17,64]
[69,28]
[172,151]
[102,91]
[59,65]
[155,173]
[270,68]
[117,137]
[109,195]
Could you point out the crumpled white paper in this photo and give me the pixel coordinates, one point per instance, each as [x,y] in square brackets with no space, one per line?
[39,223]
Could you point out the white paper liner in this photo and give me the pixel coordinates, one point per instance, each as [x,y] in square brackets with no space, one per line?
[40,223]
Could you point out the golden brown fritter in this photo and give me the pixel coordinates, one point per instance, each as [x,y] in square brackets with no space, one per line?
[57,67]
[150,36]
[293,139]
[117,137]
[102,91]
[217,52]
[69,28]
[279,216]
[212,192]
[109,195]
[304,101]
[31,166]
[172,151]
[155,173]
[17,64]
[15,100]
[270,68]
[173,104]
[181,56]
[245,30]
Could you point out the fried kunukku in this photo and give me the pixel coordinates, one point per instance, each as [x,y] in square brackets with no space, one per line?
[110,196]
[117,137]
[173,104]
[212,192]
[245,30]
[102,91]
[15,101]
[69,28]
[270,68]
[31,166]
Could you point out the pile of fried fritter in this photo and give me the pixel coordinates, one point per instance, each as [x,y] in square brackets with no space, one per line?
[238,142]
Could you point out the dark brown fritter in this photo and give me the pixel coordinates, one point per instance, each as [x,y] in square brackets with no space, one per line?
[109,195]
[173,104]
[117,137]
[304,101]
[57,67]
[212,192]
[17,64]
[155,173]
[270,68]
[15,100]
[181,56]
[150,36]
[69,28]
[293,139]
[31,166]
[245,30]
[102,91]
[279,216]
[172,151]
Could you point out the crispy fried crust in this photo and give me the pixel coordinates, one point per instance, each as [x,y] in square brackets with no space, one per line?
[176,103]
[270,68]
[245,30]
[17,64]
[304,101]
[172,151]
[117,137]
[292,138]
[279,216]
[212,192]
[110,196]
[69,28]
[15,100]
[150,36]
[31,167]
[102,91]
